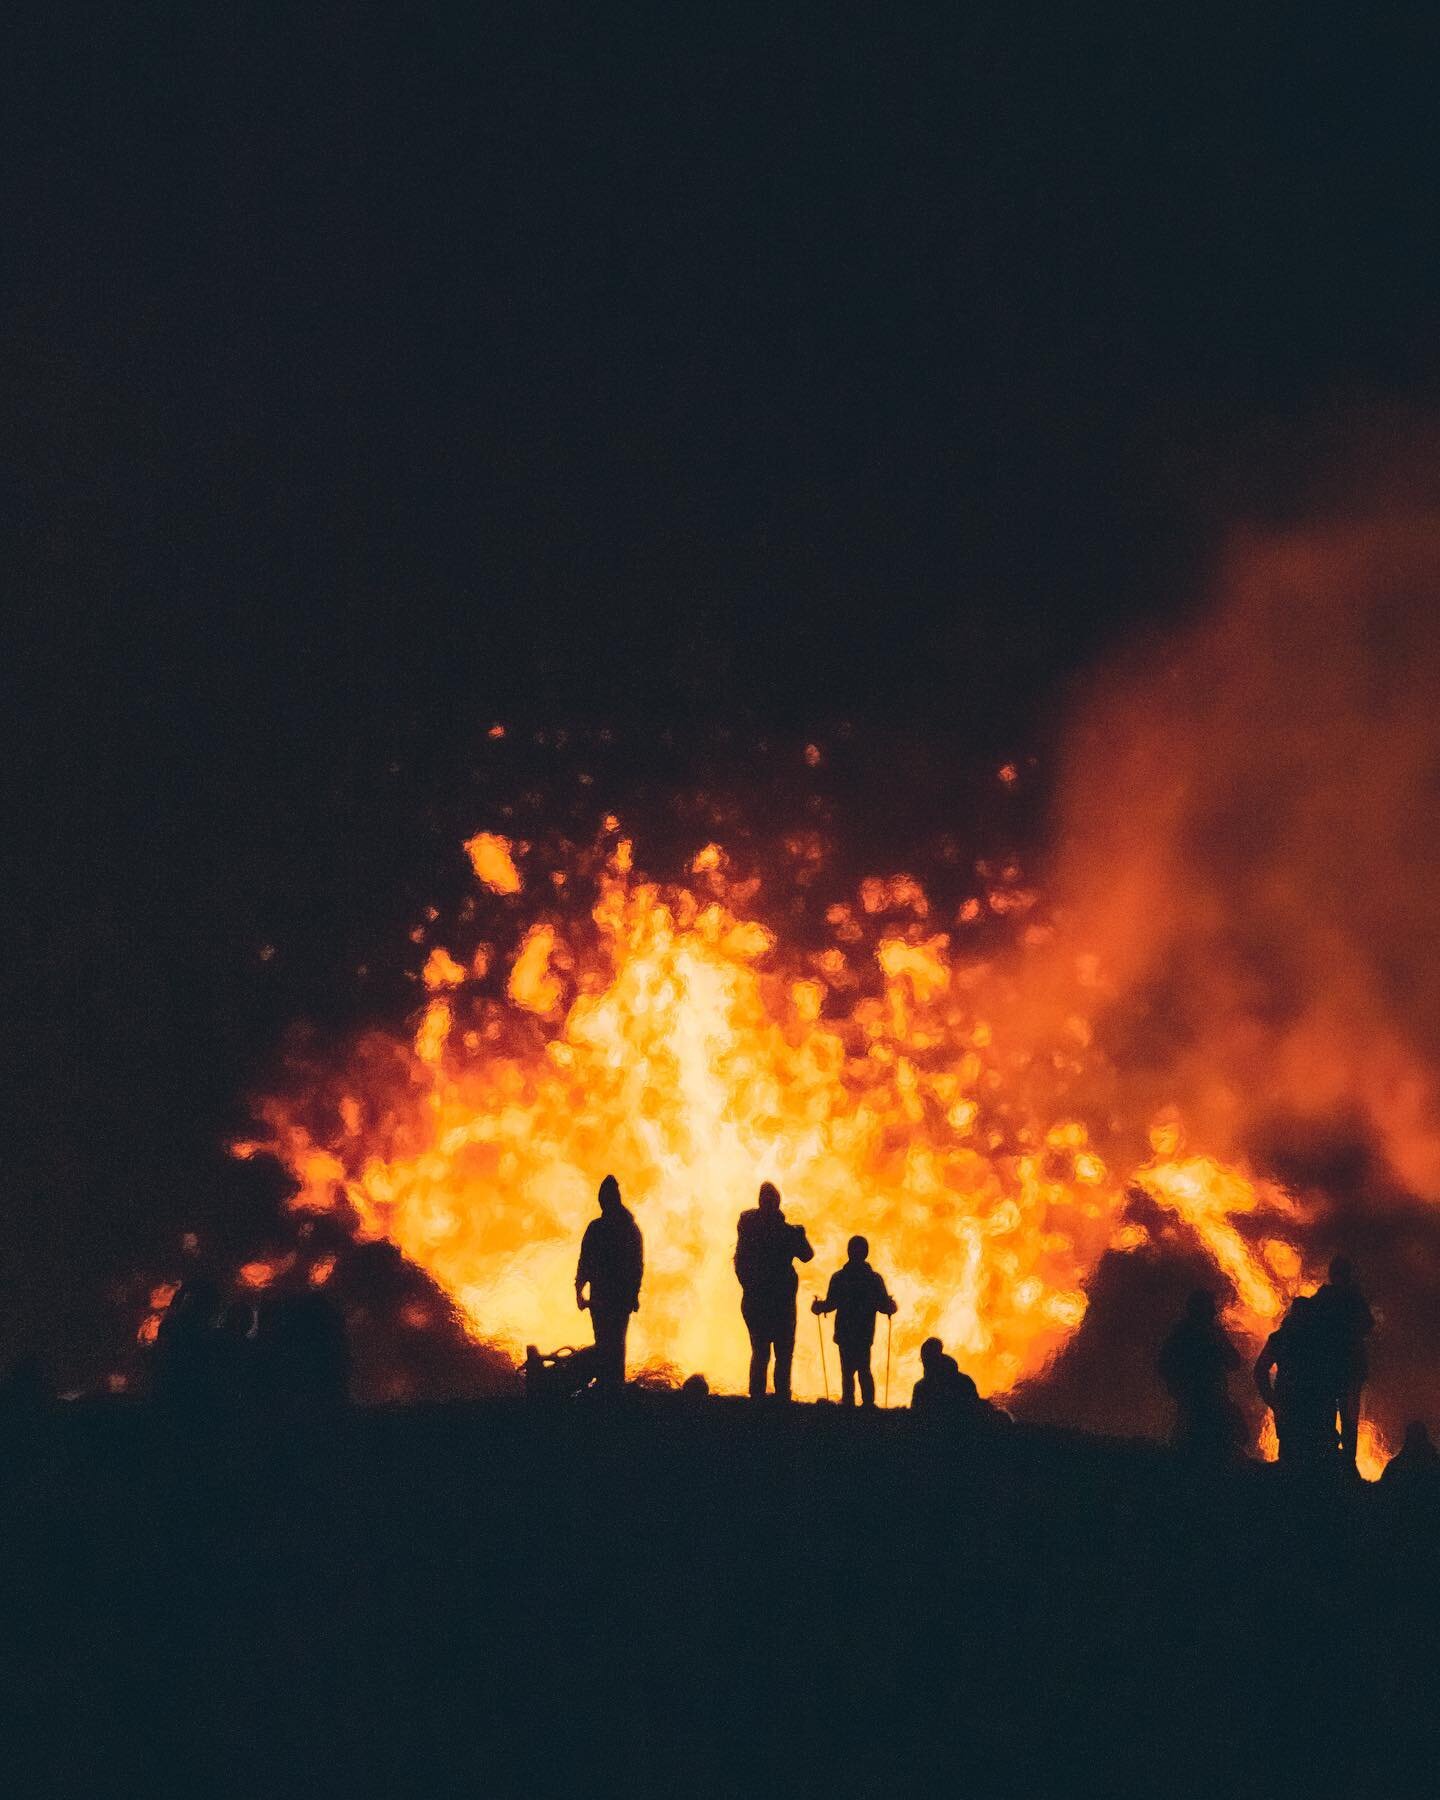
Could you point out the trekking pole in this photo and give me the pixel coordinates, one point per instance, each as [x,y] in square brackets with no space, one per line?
[889,1321]
[824,1372]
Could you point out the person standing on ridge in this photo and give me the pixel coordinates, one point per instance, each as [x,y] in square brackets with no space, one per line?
[1344,1321]
[767,1247]
[856,1294]
[1296,1377]
[1195,1363]
[611,1267]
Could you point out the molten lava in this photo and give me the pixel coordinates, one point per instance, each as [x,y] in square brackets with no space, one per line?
[890,1079]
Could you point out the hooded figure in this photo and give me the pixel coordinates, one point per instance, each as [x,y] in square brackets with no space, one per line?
[611,1267]
[1344,1318]
[1298,1379]
[767,1247]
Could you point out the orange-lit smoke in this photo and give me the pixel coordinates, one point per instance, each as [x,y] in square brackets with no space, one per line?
[1251,845]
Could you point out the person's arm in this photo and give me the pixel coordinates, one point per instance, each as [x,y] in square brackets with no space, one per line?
[886,1304]
[802,1251]
[639,1268]
[828,1304]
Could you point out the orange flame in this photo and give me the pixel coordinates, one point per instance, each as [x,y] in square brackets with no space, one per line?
[492,862]
[1232,953]
[886,1082]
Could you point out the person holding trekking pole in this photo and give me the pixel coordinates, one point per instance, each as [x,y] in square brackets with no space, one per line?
[824,1369]
[857,1296]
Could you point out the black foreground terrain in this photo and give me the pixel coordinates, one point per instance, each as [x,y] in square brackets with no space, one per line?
[667,1599]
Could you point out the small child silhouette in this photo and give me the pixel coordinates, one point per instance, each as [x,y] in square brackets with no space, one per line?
[856,1295]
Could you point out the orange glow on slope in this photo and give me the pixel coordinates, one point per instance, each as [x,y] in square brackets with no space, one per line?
[886,1082]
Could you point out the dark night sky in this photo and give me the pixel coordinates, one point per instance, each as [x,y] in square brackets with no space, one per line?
[366,379]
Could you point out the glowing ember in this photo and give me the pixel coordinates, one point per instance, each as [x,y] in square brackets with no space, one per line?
[492,862]
[259,1274]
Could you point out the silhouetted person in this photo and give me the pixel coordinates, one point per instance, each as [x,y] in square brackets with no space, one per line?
[1413,1473]
[185,1349]
[611,1267]
[1195,1363]
[856,1295]
[1346,1321]
[1297,1379]
[944,1391]
[767,1247]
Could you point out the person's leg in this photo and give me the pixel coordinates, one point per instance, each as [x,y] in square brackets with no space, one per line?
[784,1340]
[847,1376]
[759,1350]
[1314,1440]
[601,1363]
[610,1329]
[1350,1421]
[867,1380]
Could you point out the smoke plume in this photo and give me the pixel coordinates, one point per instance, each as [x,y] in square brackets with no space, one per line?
[1249,846]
